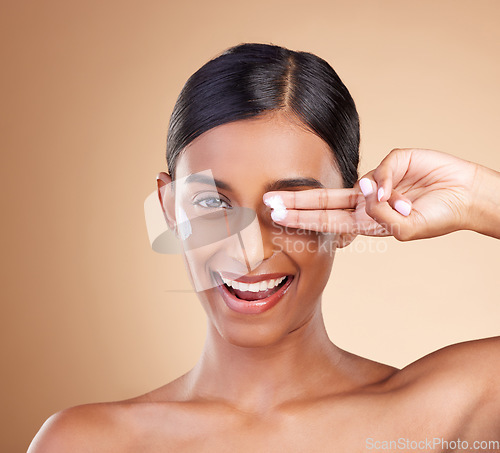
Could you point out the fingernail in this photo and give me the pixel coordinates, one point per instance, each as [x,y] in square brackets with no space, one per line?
[402,207]
[380,193]
[366,186]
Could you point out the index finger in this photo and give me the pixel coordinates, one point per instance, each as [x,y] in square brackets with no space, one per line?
[324,198]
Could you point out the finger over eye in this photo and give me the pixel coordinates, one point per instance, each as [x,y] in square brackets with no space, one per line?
[317,198]
[324,221]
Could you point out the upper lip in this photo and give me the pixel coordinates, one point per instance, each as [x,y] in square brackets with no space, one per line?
[251,278]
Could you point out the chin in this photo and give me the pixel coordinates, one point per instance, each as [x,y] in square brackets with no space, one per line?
[251,336]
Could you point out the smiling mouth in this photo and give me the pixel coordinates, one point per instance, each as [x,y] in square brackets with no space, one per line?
[247,295]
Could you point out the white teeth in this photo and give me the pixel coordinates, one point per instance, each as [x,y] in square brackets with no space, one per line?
[253,287]
[243,286]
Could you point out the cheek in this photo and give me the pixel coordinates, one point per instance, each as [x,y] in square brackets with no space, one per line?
[307,247]
[224,255]
[197,262]
[313,253]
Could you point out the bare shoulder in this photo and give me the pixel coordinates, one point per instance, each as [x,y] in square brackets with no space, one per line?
[123,426]
[463,377]
[80,429]
[476,361]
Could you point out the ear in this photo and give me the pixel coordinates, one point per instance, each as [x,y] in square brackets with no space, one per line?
[344,239]
[166,195]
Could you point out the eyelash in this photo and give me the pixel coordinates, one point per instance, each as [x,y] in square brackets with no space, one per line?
[211,207]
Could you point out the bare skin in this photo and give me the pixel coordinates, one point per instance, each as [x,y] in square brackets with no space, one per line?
[274,381]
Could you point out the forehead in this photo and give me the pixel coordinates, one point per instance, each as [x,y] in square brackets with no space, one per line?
[258,149]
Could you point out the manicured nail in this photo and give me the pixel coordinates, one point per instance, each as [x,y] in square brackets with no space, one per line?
[380,193]
[366,186]
[402,207]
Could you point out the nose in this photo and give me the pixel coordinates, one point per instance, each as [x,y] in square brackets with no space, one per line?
[252,235]
[257,240]
[244,245]
[250,240]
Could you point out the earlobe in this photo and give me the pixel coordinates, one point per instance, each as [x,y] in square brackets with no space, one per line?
[166,198]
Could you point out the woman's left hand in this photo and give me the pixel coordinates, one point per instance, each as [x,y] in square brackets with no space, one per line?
[328,210]
[412,194]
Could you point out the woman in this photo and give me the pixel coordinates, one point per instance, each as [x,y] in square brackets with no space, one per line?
[279,127]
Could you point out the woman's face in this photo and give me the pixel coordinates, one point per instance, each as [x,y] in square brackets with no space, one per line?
[249,156]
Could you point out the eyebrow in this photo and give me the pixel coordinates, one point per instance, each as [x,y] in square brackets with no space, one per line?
[279,184]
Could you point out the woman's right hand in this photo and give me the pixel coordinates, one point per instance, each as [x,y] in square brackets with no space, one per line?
[412,194]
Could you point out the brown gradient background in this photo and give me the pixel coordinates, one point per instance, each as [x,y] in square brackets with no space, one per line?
[87,92]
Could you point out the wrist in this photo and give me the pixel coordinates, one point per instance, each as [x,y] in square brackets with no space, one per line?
[484,212]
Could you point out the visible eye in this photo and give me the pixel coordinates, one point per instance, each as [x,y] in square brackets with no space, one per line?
[212,203]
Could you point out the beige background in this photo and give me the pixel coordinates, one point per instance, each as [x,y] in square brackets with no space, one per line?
[87,91]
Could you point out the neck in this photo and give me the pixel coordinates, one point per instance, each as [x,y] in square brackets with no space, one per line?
[257,379]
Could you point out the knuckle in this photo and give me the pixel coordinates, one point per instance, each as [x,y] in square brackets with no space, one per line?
[323,198]
[296,219]
[353,198]
[403,234]
[323,221]
[370,208]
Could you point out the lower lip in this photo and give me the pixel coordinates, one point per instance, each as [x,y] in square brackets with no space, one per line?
[252,306]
